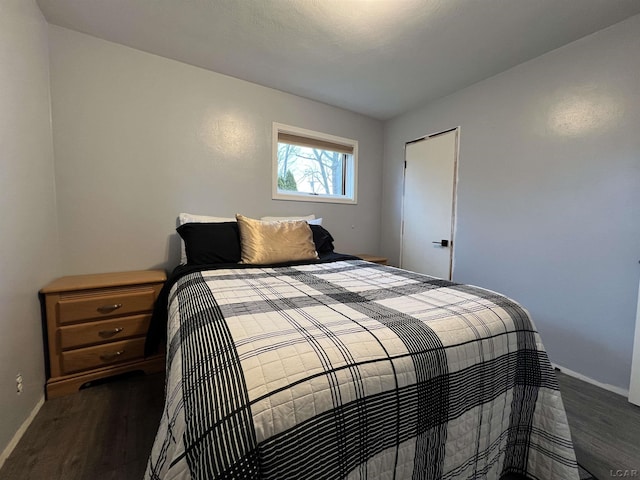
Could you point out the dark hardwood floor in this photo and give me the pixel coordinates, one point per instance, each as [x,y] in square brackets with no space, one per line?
[106,432]
[103,432]
[605,429]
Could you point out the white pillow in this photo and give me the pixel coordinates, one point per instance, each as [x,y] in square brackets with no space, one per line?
[315,221]
[286,219]
[191,218]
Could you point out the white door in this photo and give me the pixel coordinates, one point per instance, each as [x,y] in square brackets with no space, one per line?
[634,387]
[428,205]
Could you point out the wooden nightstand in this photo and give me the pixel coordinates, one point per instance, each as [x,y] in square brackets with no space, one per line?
[372,258]
[96,326]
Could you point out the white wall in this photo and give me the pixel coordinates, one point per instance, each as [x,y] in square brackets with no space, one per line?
[549,193]
[29,237]
[139,138]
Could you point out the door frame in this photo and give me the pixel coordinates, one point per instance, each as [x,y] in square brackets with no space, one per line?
[454,201]
[634,382]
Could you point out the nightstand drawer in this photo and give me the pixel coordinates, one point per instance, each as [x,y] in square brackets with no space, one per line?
[102,355]
[90,305]
[102,331]
[96,327]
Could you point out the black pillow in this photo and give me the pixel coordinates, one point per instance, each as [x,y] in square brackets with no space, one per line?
[207,243]
[322,239]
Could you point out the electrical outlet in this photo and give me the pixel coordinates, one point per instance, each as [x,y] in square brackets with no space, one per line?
[19,383]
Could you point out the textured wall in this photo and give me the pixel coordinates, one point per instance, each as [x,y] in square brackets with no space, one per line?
[139,138]
[29,239]
[548,193]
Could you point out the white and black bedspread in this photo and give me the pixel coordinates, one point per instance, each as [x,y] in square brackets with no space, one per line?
[352,370]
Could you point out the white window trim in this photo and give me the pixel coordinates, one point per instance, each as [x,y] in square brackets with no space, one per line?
[352,173]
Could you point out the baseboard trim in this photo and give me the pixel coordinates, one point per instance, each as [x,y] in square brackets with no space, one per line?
[18,435]
[584,378]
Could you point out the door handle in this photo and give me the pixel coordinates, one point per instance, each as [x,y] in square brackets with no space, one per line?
[442,243]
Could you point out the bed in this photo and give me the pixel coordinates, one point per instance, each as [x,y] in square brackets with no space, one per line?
[338,368]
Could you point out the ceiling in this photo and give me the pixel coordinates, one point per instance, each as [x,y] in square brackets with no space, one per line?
[376,57]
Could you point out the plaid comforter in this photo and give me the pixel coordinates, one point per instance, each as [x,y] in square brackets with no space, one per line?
[352,370]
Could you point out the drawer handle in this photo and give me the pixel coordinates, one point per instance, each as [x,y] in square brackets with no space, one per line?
[110,333]
[109,308]
[107,357]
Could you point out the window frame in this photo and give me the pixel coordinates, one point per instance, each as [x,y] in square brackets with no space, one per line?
[350,177]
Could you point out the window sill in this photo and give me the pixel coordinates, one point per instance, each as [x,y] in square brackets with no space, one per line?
[314,198]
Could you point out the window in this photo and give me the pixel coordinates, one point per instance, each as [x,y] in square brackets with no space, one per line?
[312,166]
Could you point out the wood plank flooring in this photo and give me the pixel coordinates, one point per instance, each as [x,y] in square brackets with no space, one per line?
[106,432]
[605,429]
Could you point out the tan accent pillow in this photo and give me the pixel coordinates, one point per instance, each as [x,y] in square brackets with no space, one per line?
[264,243]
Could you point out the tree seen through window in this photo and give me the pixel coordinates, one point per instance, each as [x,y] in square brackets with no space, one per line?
[311,170]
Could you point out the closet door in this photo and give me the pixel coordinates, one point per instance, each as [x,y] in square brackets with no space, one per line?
[428,206]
